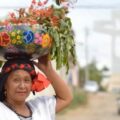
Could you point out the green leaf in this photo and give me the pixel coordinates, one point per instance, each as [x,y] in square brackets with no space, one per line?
[1,63]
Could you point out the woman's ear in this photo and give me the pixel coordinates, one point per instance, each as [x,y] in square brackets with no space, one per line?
[5,87]
[5,92]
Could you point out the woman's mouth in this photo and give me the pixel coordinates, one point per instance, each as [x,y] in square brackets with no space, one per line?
[22,93]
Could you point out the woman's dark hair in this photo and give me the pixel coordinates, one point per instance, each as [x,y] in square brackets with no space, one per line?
[2,83]
[12,65]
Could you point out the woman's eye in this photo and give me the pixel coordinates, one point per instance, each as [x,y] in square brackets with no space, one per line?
[16,80]
[27,80]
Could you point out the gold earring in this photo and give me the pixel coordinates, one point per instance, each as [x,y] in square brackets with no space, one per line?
[5,93]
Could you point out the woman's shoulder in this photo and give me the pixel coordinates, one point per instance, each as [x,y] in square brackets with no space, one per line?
[3,109]
[44,103]
[43,106]
[6,113]
[42,100]
[2,106]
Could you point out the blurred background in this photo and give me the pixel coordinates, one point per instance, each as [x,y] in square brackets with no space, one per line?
[95,79]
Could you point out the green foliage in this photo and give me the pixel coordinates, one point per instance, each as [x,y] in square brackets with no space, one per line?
[54,21]
[94,73]
[1,62]
[63,46]
[81,76]
[79,98]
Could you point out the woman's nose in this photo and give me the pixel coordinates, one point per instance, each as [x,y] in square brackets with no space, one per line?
[22,84]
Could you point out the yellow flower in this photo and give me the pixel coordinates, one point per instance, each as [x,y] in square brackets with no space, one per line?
[46,41]
[13,34]
[18,37]
[14,41]
[18,31]
[19,42]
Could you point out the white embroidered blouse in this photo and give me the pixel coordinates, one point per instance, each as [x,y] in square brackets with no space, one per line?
[42,107]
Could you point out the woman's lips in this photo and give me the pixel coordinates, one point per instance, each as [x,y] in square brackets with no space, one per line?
[21,92]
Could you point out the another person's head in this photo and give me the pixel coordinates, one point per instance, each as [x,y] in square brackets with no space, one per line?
[16,80]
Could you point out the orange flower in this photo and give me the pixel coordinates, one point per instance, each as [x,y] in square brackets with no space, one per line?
[55,21]
[42,13]
[46,41]
[49,12]
[32,22]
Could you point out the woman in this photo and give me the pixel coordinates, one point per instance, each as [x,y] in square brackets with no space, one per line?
[16,83]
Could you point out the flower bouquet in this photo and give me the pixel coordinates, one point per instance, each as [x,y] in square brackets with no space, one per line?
[35,31]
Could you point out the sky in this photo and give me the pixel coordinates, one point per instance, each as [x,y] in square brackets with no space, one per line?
[84,14]
[84,19]
[109,3]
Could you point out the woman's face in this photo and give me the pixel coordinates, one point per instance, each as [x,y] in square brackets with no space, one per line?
[18,86]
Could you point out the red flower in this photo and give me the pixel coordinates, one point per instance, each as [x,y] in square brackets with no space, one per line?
[42,3]
[39,3]
[28,66]
[22,66]
[40,83]
[12,15]
[13,66]
[45,2]
[33,72]
[7,69]
[4,39]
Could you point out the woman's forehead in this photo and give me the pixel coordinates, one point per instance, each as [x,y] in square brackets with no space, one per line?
[20,72]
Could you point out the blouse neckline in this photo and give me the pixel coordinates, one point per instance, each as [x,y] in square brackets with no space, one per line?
[19,115]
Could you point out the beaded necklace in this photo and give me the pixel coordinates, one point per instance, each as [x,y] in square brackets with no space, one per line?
[21,117]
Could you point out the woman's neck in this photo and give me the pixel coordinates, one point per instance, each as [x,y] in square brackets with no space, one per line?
[15,104]
[18,107]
